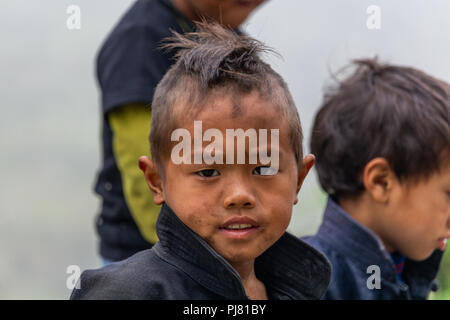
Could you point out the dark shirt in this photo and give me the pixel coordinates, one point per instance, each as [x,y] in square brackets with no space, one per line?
[129,67]
[183,266]
[352,249]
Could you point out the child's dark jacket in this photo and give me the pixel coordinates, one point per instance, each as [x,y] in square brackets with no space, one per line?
[183,266]
[352,248]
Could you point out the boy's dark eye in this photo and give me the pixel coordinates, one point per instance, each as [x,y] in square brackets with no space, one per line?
[265,171]
[208,173]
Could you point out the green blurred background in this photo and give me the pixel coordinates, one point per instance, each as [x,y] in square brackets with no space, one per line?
[50,119]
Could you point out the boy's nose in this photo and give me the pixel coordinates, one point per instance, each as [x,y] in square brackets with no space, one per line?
[238,196]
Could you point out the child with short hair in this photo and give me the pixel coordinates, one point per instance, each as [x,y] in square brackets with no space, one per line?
[129,67]
[225,206]
[382,142]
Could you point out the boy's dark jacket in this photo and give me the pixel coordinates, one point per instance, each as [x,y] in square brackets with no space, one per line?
[352,248]
[183,266]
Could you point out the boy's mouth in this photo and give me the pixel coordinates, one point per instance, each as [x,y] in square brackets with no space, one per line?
[442,243]
[239,227]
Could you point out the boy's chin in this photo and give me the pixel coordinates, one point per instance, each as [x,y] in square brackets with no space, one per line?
[420,255]
[239,257]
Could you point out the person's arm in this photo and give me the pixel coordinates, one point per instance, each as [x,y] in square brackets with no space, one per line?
[131,126]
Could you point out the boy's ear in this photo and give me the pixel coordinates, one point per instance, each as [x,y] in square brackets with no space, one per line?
[307,164]
[378,179]
[153,179]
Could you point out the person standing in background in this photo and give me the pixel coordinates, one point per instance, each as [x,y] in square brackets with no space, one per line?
[129,66]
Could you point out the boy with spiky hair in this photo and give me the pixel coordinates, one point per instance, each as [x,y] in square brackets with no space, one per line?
[382,142]
[129,67]
[222,226]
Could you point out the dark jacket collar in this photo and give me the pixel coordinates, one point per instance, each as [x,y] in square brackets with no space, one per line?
[290,268]
[341,232]
[353,240]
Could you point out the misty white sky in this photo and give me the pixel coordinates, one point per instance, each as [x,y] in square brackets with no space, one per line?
[50,116]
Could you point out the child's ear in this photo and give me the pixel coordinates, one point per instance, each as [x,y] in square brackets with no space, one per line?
[153,179]
[307,164]
[378,179]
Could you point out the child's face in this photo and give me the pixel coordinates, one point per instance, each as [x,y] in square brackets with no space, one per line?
[418,219]
[212,199]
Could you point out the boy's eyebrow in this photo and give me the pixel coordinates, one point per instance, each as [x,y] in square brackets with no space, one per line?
[216,153]
[269,152]
[199,153]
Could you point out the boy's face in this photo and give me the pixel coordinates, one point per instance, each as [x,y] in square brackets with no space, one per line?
[418,218]
[228,12]
[236,209]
